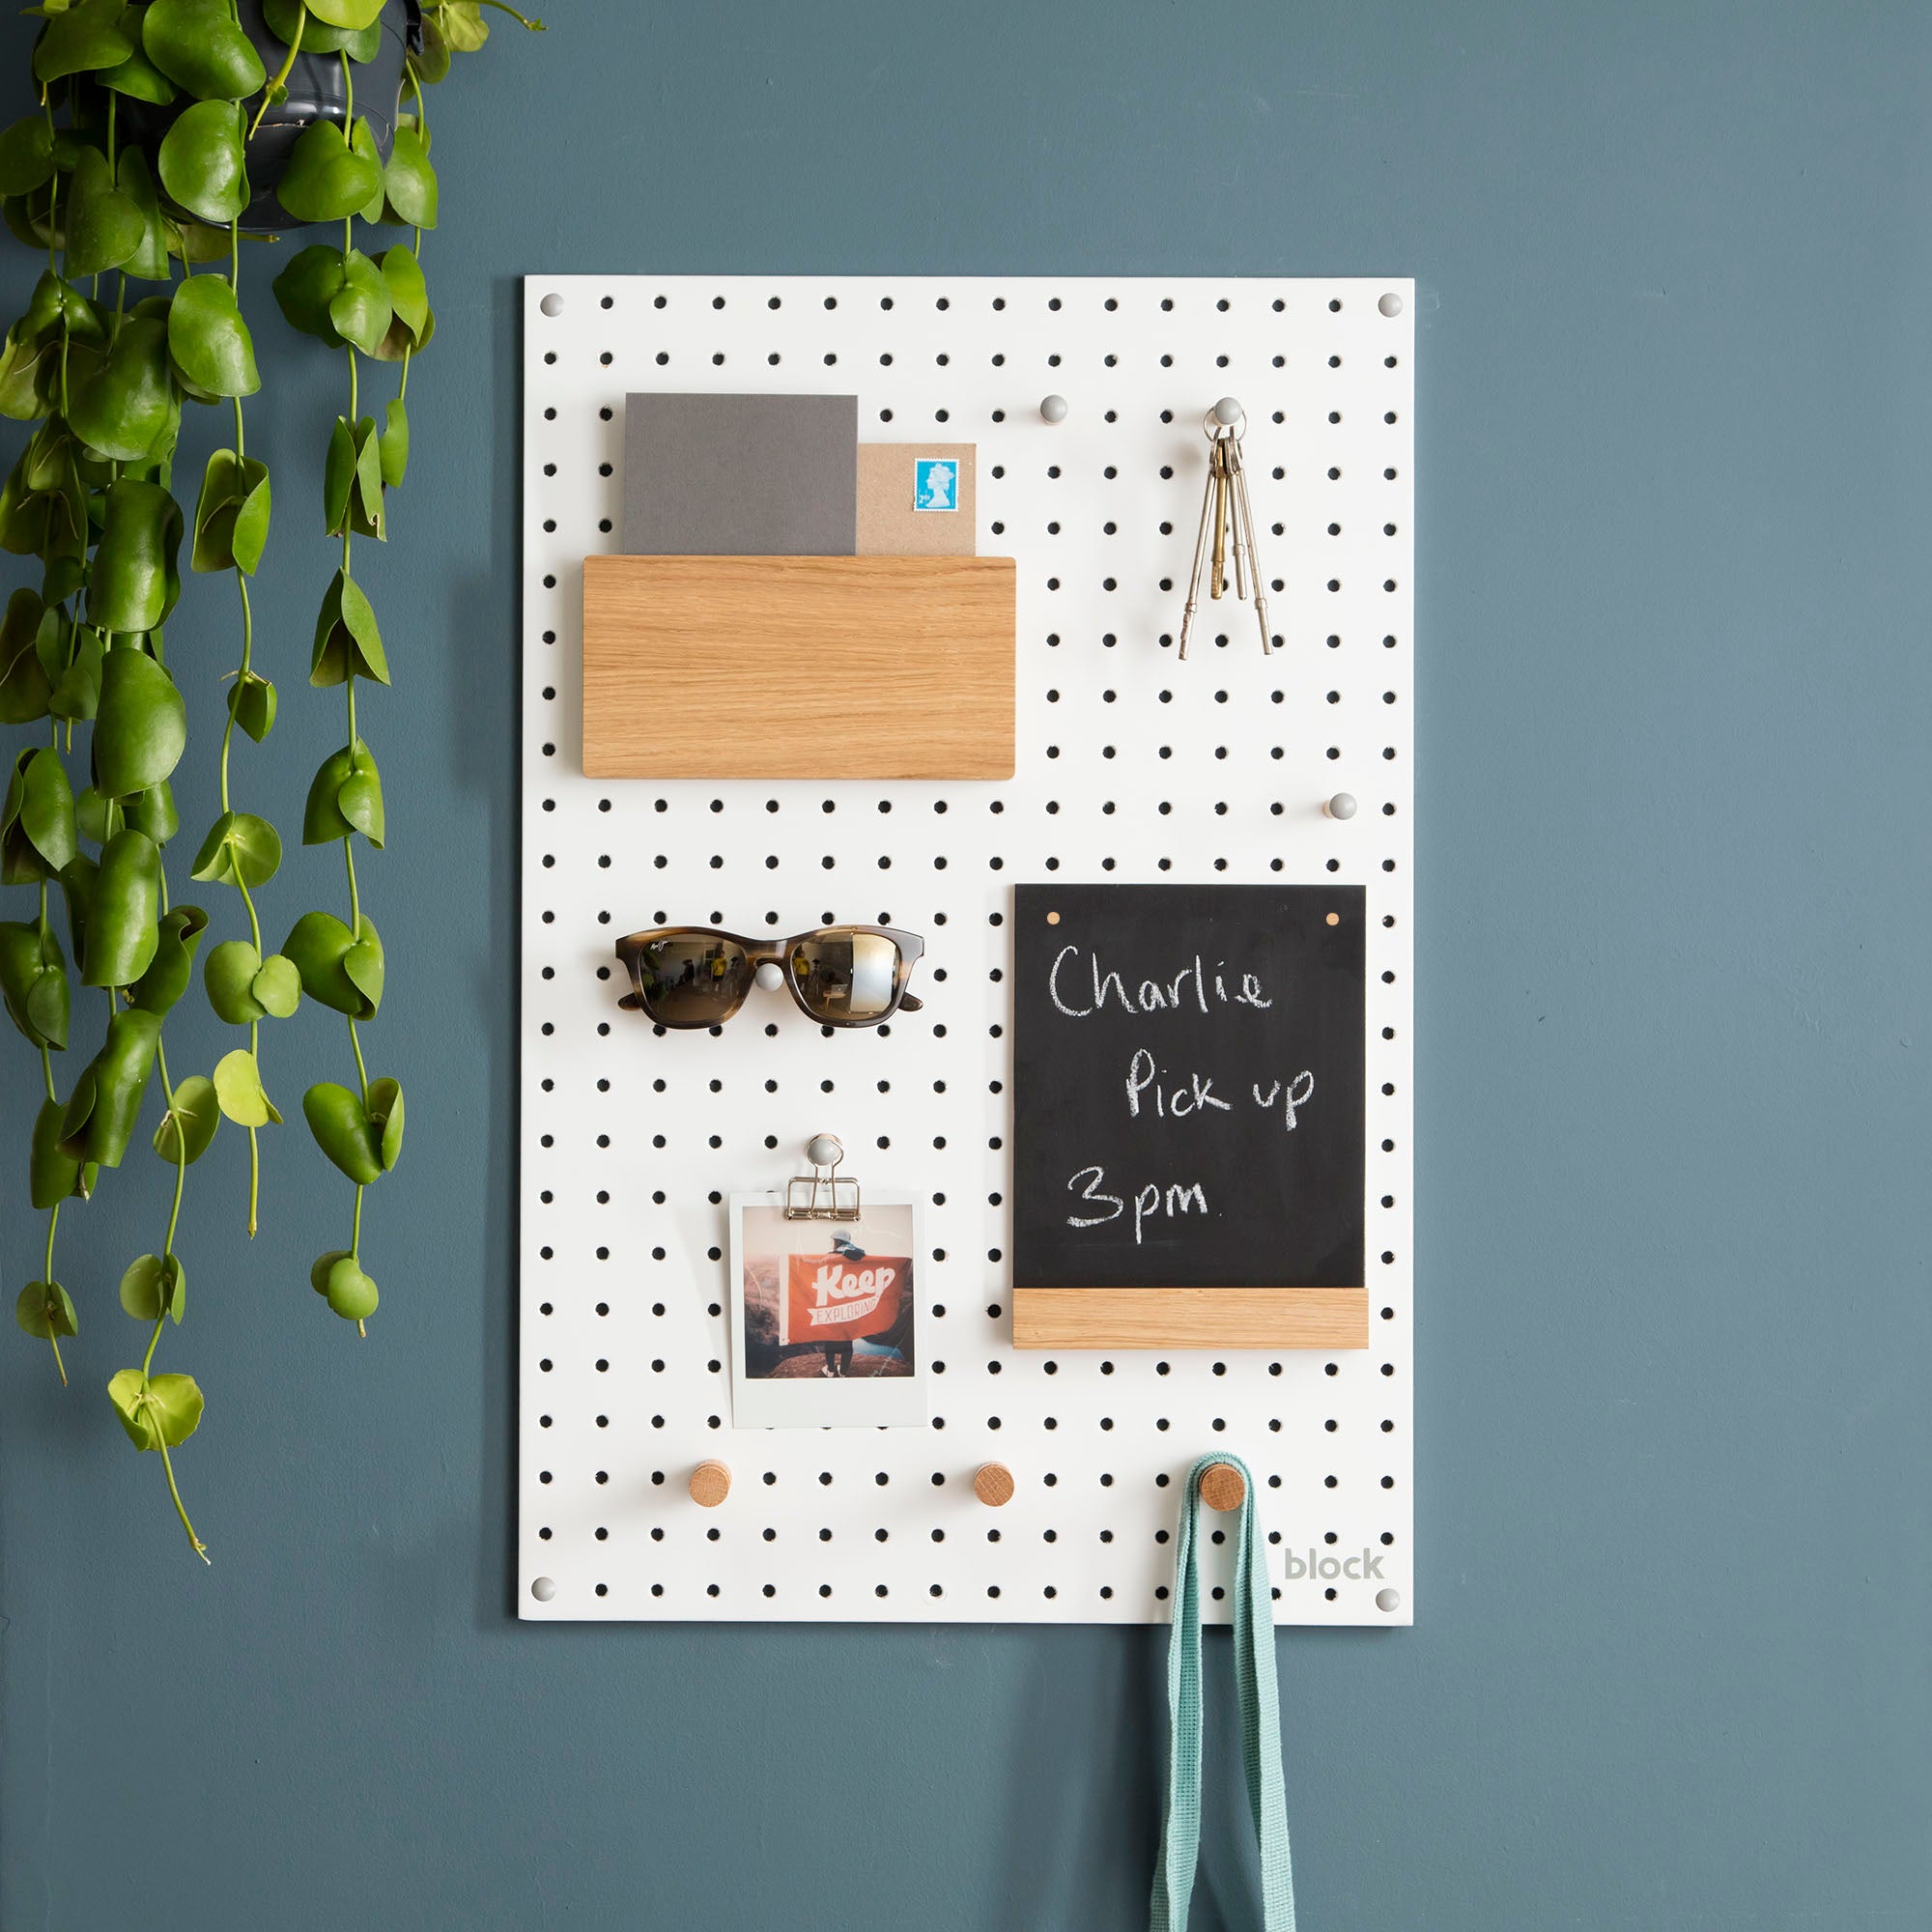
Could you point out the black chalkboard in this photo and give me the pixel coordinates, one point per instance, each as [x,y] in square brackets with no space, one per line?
[1187,1082]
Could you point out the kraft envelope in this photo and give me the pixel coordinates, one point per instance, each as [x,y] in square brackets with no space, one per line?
[889,522]
[735,476]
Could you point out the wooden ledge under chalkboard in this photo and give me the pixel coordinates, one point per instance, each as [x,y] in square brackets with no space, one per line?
[1191,1317]
[798,666]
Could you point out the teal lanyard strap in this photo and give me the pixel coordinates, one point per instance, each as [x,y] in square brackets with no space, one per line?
[1261,1720]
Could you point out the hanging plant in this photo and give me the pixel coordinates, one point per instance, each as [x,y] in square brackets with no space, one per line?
[162,134]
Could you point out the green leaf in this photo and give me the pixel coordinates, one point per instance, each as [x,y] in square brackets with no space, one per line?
[351,1294]
[154,1285]
[238,1087]
[410,182]
[103,225]
[152,811]
[359,310]
[38,835]
[150,262]
[127,407]
[326,180]
[52,1177]
[385,1114]
[318,37]
[363,964]
[411,322]
[188,1127]
[136,578]
[335,297]
[76,692]
[408,293]
[347,642]
[462,25]
[82,40]
[26,155]
[231,515]
[123,926]
[251,701]
[277,986]
[141,726]
[228,976]
[90,815]
[345,797]
[239,849]
[362,139]
[44,502]
[78,877]
[106,1099]
[33,981]
[167,977]
[321,947]
[195,242]
[204,161]
[352,484]
[200,46]
[350,14]
[24,683]
[396,443]
[208,338]
[155,1410]
[45,1309]
[139,77]
[344,1131]
[432,63]
[322,1266]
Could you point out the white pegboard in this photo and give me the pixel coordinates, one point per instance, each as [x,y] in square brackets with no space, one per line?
[1131,766]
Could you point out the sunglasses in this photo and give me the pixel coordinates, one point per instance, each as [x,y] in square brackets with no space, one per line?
[841,976]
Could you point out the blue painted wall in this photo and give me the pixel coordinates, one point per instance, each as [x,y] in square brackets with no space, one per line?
[1675,698]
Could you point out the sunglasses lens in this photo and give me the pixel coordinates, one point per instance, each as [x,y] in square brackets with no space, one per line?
[693,981]
[846,975]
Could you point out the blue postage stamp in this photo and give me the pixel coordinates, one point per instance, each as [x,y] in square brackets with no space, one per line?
[935,483]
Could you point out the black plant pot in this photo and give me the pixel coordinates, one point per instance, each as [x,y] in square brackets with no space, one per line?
[316,92]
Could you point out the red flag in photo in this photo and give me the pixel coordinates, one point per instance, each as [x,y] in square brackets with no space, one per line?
[829,1299]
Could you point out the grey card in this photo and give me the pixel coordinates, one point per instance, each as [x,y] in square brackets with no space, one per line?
[739,475]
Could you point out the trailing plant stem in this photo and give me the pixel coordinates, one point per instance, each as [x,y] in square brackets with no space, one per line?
[47,1276]
[281,76]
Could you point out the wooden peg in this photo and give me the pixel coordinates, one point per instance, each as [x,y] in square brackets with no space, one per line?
[993,1485]
[1222,1488]
[710,1484]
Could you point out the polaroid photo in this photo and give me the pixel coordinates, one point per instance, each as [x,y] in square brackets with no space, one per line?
[935,483]
[825,1316]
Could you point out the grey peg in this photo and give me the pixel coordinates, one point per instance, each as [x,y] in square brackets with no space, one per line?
[770,975]
[552,304]
[824,1151]
[543,1589]
[1228,411]
[1389,1600]
[1053,409]
[1341,806]
[1390,304]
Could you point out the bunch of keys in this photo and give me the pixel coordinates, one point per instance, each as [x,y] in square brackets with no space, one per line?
[1226,507]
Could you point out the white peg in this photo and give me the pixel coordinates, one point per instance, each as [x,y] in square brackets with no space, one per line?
[1341,806]
[1389,1600]
[543,1589]
[1390,304]
[770,975]
[552,304]
[1053,409]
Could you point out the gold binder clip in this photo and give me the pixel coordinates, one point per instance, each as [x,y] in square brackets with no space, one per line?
[824,1194]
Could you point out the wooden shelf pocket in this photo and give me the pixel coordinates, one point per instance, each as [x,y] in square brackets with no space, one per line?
[798,666]
[1191,1317]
